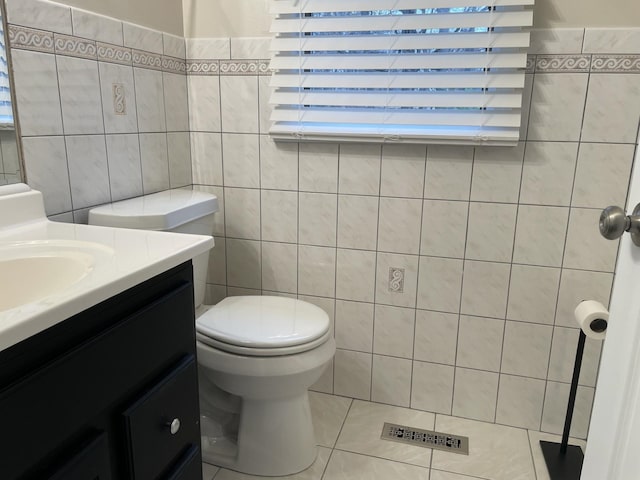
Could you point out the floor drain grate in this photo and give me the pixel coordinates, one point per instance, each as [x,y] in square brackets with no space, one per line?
[425,438]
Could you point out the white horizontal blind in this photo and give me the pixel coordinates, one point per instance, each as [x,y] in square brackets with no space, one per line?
[419,71]
[6,112]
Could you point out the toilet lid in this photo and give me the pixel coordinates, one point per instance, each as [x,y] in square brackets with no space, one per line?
[263,322]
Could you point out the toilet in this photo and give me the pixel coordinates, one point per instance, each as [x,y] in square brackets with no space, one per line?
[257,355]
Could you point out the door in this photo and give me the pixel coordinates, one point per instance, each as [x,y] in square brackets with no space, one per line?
[614,436]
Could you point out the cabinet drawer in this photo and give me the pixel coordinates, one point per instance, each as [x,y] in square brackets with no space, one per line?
[92,462]
[189,467]
[152,443]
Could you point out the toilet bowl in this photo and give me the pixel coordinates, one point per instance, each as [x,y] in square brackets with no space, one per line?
[257,355]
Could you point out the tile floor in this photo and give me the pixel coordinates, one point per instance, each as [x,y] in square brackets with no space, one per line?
[350,448]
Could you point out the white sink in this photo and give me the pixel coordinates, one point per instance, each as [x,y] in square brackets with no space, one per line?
[33,271]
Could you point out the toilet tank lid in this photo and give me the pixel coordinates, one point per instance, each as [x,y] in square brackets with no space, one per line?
[158,211]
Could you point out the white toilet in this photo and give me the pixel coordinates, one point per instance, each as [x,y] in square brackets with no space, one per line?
[257,356]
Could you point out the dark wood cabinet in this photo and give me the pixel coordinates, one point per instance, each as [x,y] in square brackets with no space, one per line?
[109,394]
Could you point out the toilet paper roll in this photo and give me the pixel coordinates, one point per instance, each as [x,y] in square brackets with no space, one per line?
[593,319]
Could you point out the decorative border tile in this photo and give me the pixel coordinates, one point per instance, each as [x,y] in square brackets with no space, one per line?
[615,64]
[563,63]
[75,47]
[239,67]
[531,64]
[147,60]
[203,67]
[174,65]
[31,39]
[264,67]
[114,54]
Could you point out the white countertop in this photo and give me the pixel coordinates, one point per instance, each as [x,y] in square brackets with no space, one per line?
[123,258]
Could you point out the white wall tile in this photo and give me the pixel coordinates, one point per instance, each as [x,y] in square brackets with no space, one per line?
[436,337]
[547,177]
[356,273]
[40,14]
[357,222]
[491,231]
[393,331]
[484,289]
[563,354]
[219,217]
[239,104]
[526,349]
[206,158]
[46,170]
[241,160]
[480,343]
[208,48]
[352,374]
[399,225]
[244,264]
[280,267]
[88,171]
[96,27]
[439,284]
[557,106]
[264,107]
[125,168]
[217,272]
[540,235]
[318,219]
[354,326]
[359,171]
[555,409]
[319,167]
[141,38]
[173,45]
[520,402]
[586,248]
[576,286]
[179,151]
[317,271]
[496,174]
[602,175]
[474,394]
[403,168]
[391,380]
[533,292]
[80,95]
[432,387]
[242,213]
[204,103]
[612,40]
[444,228]
[176,102]
[150,100]
[278,164]
[250,48]
[448,172]
[114,76]
[526,105]
[556,40]
[279,216]
[155,162]
[389,296]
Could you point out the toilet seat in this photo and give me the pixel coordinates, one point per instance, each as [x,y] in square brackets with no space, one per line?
[263,326]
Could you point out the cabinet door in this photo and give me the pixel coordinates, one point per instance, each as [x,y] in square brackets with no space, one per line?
[91,463]
[164,422]
[189,467]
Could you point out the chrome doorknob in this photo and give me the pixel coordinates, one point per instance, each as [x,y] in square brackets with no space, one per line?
[614,222]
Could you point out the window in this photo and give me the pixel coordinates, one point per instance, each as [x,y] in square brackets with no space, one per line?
[6,113]
[418,71]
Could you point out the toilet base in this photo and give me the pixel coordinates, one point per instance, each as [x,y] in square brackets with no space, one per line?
[275,438]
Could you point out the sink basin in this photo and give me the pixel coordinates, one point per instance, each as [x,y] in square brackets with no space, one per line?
[33,271]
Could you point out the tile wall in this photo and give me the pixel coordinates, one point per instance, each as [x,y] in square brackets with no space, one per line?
[450,273]
[102,106]
[9,162]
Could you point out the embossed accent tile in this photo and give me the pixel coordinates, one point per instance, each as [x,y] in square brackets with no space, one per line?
[203,67]
[30,39]
[75,47]
[147,60]
[114,54]
[563,63]
[616,64]
[239,67]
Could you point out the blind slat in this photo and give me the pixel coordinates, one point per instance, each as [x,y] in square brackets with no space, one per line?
[317,6]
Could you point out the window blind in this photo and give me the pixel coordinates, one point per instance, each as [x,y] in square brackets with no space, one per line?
[418,71]
[6,112]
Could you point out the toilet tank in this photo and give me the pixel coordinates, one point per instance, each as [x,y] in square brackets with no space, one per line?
[179,210]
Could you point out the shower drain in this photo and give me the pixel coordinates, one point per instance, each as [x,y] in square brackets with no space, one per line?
[425,438]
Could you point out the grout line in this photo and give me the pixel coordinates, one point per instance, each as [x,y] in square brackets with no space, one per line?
[535,470]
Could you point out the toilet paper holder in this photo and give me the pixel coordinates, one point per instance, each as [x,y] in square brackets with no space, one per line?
[614,222]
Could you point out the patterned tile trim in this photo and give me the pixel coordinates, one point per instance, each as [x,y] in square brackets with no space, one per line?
[563,63]
[75,47]
[616,64]
[531,64]
[174,65]
[30,39]
[263,68]
[147,60]
[203,67]
[239,67]
[114,54]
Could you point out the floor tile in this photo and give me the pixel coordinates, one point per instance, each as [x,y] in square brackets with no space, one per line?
[328,413]
[314,472]
[208,471]
[538,459]
[439,475]
[496,452]
[363,427]
[350,466]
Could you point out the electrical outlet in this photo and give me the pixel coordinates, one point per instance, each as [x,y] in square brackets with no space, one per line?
[396,280]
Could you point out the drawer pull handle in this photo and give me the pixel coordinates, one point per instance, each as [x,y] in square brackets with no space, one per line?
[174,426]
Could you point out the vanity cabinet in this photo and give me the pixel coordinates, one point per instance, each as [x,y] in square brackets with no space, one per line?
[108,394]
